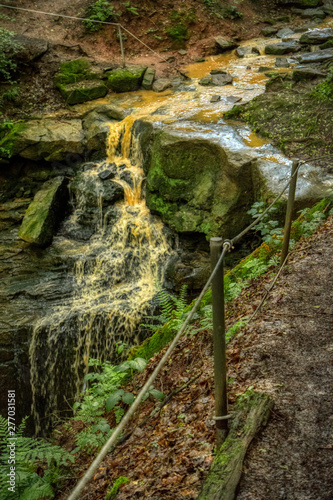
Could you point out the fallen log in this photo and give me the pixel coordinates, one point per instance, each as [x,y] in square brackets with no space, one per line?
[250,413]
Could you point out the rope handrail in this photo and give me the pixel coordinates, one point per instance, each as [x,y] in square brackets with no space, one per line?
[85,19]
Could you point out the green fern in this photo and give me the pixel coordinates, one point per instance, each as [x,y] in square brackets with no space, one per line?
[30,452]
[172,310]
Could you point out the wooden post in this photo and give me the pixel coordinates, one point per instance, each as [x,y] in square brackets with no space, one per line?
[289,212]
[121,47]
[220,371]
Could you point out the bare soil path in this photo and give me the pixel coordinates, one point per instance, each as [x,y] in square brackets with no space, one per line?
[291,353]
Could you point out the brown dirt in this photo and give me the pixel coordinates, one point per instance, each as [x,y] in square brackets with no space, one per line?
[285,352]
[70,39]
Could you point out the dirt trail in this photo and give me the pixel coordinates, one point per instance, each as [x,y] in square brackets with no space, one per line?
[291,356]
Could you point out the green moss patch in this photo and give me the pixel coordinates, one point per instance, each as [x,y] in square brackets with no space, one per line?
[77,93]
[10,141]
[126,79]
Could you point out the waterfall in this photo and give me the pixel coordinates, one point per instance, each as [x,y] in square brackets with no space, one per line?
[115,281]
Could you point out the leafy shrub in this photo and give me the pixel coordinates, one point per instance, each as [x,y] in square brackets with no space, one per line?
[99,11]
[270,232]
[324,90]
[9,95]
[9,47]
[231,13]
[30,453]
[172,310]
[105,394]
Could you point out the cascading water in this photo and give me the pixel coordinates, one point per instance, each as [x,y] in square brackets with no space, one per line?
[115,281]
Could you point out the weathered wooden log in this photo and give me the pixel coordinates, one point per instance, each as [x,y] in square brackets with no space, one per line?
[250,413]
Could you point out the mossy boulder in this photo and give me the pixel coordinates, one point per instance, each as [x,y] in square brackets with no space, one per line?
[126,79]
[45,212]
[48,139]
[10,141]
[87,90]
[75,71]
[194,187]
[78,81]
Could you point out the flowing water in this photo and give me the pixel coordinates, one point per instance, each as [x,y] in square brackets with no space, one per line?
[115,282]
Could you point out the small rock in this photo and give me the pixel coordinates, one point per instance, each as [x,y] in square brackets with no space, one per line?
[262,69]
[246,51]
[306,74]
[282,62]
[315,57]
[278,49]
[223,44]
[162,84]
[317,36]
[171,59]
[215,98]
[218,71]
[318,13]
[284,33]
[148,78]
[269,31]
[216,80]
[200,60]
[108,174]
[232,99]
[182,52]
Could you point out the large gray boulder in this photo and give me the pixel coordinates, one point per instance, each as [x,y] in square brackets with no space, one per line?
[45,212]
[48,139]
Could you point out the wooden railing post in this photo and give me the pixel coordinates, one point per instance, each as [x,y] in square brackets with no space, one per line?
[289,212]
[220,371]
[121,47]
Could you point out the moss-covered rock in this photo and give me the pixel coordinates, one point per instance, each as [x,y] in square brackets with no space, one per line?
[75,71]
[195,187]
[47,139]
[86,90]
[126,79]
[45,212]
[10,141]
[79,82]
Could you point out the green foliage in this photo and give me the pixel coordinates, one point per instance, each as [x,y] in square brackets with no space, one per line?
[309,226]
[5,127]
[270,232]
[9,95]
[324,90]
[99,11]
[9,47]
[112,493]
[104,395]
[178,32]
[172,310]
[131,9]
[231,13]
[29,454]
[74,71]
